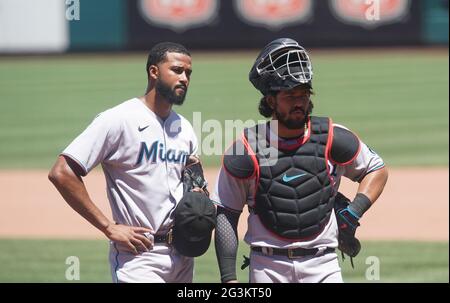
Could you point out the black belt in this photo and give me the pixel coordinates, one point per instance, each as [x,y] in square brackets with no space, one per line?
[292,253]
[166,238]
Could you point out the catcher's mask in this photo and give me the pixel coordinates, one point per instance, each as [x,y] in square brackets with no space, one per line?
[282,65]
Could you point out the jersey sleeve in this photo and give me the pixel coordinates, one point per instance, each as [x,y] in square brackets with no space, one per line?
[353,155]
[96,142]
[231,192]
[366,161]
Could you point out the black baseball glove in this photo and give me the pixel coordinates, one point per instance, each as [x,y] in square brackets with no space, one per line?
[193,178]
[347,224]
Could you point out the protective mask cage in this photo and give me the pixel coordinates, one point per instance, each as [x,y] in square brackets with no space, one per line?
[288,62]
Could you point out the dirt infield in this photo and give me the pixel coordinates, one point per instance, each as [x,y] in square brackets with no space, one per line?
[414,206]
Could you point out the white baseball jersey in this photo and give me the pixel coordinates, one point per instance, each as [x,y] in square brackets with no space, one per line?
[142,158]
[234,193]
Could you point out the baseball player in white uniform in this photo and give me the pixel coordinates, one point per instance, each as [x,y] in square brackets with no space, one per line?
[292,223]
[143,146]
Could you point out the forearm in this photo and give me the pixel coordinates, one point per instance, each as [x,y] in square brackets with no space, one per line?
[369,190]
[78,198]
[373,184]
[226,243]
[74,192]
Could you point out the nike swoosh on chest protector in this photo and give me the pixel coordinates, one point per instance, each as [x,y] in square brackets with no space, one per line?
[287,179]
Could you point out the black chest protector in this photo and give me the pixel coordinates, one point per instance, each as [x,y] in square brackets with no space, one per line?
[294,197]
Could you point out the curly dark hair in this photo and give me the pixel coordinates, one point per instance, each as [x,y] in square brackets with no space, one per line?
[266,111]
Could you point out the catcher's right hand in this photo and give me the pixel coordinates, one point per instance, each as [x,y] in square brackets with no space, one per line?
[347,224]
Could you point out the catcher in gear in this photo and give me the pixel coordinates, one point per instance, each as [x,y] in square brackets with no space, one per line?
[287,172]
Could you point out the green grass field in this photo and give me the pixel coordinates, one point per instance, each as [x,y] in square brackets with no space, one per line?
[45,261]
[397,103]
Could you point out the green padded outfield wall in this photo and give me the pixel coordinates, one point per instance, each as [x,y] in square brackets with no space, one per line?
[435,21]
[102,26]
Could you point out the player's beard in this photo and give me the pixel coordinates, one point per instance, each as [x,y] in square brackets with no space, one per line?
[291,123]
[165,91]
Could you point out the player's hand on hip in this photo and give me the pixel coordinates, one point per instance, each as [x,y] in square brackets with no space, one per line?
[130,238]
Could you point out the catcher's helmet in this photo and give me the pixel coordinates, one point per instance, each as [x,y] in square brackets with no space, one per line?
[282,64]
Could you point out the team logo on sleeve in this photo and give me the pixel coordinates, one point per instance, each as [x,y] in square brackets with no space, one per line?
[179,15]
[157,152]
[274,14]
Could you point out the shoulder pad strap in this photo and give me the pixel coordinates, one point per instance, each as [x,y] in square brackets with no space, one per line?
[345,146]
[237,162]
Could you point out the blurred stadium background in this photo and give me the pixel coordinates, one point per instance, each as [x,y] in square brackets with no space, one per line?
[381,69]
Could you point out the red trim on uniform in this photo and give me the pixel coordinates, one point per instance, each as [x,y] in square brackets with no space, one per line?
[252,155]
[328,149]
[305,139]
[255,163]
[354,156]
[230,174]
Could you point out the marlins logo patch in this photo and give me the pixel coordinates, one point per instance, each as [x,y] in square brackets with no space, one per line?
[179,15]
